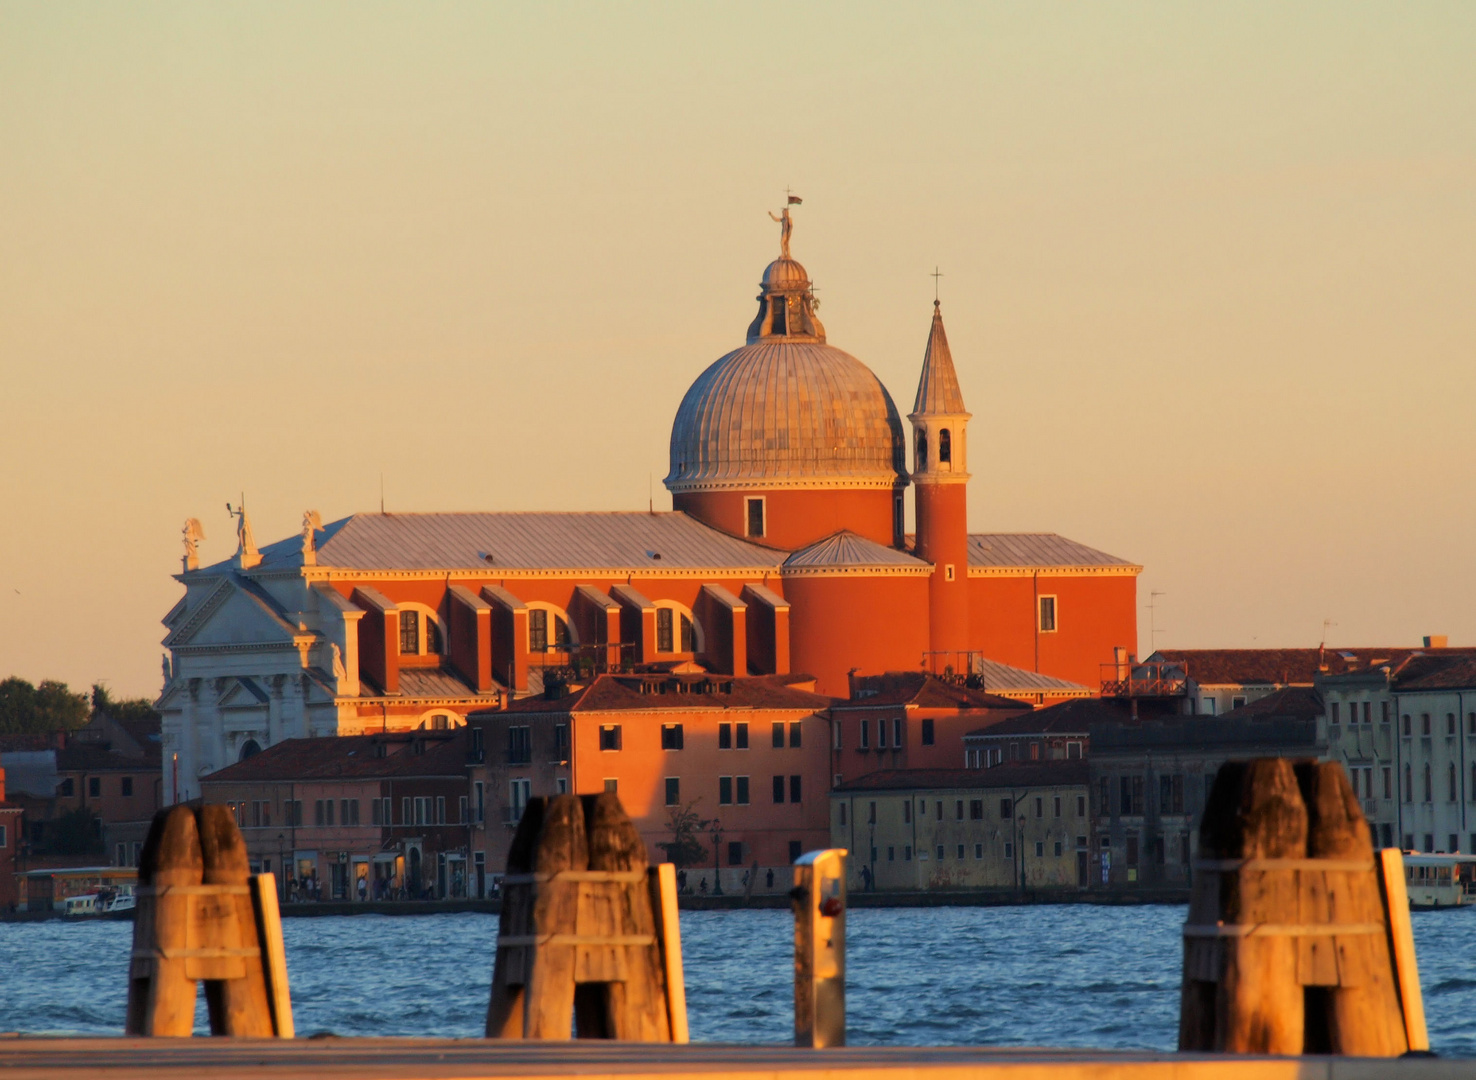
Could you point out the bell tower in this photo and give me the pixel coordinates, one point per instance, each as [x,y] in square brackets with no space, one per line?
[940,471]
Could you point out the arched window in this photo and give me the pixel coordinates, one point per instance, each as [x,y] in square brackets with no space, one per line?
[676,629]
[250,748]
[945,447]
[440,721]
[420,631]
[548,628]
[922,450]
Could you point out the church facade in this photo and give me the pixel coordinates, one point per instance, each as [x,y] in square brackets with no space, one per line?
[785,552]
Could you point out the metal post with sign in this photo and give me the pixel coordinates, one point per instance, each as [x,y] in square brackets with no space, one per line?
[820,948]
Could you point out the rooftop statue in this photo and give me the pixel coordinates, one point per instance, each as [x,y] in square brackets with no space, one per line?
[194,532]
[786,225]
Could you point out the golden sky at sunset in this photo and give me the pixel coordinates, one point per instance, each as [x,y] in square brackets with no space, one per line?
[1209,279]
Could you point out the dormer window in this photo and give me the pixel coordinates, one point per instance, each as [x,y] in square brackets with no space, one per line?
[945,447]
[419,634]
[922,450]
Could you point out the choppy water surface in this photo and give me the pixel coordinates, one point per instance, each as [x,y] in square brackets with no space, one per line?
[1046,976]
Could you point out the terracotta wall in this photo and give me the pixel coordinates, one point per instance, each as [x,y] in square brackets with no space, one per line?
[838,623]
[1093,614]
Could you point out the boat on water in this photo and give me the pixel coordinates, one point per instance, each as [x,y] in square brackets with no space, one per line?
[1439,881]
[106,901]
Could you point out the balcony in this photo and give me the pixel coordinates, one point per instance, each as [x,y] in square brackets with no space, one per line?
[1155,680]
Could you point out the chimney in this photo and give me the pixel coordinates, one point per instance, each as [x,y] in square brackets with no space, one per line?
[1436,641]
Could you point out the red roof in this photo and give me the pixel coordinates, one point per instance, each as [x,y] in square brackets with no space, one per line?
[925,691]
[614,693]
[353,757]
[1289,703]
[1228,667]
[1015,775]
[1437,673]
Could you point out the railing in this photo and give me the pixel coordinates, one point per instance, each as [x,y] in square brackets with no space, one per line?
[1144,680]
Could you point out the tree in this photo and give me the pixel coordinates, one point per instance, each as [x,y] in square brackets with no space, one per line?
[129,710]
[687,826]
[34,710]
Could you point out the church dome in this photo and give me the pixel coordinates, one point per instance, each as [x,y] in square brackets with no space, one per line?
[786,409]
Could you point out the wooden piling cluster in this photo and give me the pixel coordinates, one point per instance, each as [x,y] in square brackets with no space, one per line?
[202,916]
[588,941]
[1294,941]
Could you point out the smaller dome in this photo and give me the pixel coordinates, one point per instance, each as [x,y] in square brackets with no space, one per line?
[784,274]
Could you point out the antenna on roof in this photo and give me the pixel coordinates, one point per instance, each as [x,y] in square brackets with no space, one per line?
[1152,618]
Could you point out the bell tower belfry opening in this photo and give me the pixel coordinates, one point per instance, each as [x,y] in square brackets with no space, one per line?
[941,473]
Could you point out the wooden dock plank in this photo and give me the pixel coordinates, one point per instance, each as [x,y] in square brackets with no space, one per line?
[468,1059]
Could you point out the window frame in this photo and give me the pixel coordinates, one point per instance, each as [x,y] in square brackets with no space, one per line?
[1040,612]
[749,502]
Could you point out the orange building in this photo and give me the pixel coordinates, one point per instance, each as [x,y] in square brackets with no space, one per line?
[785,552]
[747,756]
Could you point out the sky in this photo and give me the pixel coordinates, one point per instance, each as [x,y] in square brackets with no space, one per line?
[1208,277]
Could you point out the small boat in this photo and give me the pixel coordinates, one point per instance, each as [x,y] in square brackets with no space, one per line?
[115,900]
[1439,881]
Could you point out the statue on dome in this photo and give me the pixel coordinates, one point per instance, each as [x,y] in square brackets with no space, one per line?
[786,225]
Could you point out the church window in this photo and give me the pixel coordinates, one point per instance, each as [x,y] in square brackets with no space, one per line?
[755,513]
[664,617]
[409,633]
[945,447]
[432,636]
[781,309]
[922,450]
[1047,614]
[537,630]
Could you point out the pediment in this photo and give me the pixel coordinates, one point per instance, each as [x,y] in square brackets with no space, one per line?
[243,693]
[232,616]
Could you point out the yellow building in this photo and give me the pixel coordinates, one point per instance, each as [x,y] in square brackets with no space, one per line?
[1015,826]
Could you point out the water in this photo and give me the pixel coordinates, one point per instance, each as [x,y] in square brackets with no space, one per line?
[1075,975]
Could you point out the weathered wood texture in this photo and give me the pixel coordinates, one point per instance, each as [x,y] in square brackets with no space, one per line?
[196,921]
[1286,949]
[471,1059]
[579,950]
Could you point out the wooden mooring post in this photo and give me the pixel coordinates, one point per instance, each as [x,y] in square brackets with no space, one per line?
[588,942]
[202,916]
[1292,944]
[819,897]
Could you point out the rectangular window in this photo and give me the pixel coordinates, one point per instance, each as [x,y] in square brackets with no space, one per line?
[462,810]
[1081,806]
[537,630]
[939,853]
[725,736]
[1388,782]
[1405,721]
[740,735]
[481,806]
[1333,713]
[561,744]
[958,810]
[896,733]
[1047,614]
[409,633]
[406,817]
[612,785]
[735,853]
[742,792]
[794,789]
[65,788]
[519,745]
[778,735]
[374,818]
[881,734]
[561,785]
[1384,712]
[318,812]
[1039,806]
[755,516]
[978,851]
[865,730]
[1132,849]
[609,736]
[671,736]
[906,852]
[778,789]
[927,731]
[328,808]
[440,810]
[94,787]
[976,809]
[725,791]
[1005,808]
[386,815]
[1424,723]
[842,807]
[127,788]
[891,854]
[1450,723]
[1368,712]
[907,811]
[664,638]
[1237,701]
[794,736]
[422,811]
[795,850]
[871,813]
[673,791]
[1057,806]
[521,790]
[836,728]
[1039,848]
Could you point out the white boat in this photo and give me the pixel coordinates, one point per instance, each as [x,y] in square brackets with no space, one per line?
[105,901]
[1439,881]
